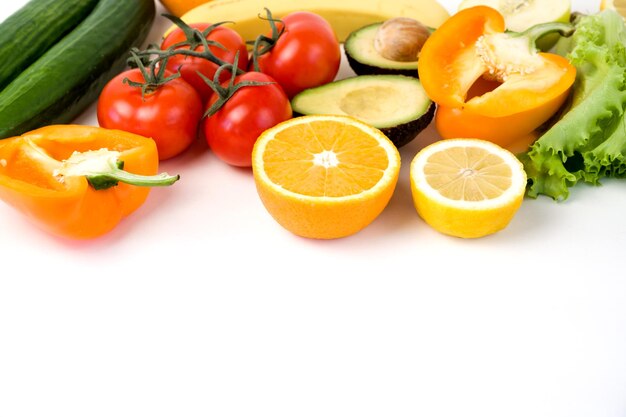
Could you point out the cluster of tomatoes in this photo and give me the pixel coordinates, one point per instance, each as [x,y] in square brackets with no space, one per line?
[204,81]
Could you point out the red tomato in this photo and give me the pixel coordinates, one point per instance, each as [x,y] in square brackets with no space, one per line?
[170,115]
[189,66]
[306,55]
[232,131]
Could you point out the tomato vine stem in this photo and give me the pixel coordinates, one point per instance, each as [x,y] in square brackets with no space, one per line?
[225,93]
[154,56]
[153,77]
[263,44]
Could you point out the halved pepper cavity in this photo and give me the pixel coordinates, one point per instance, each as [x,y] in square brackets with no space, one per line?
[473,65]
[78,181]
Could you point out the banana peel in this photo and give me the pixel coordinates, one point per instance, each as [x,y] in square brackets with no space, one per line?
[345,16]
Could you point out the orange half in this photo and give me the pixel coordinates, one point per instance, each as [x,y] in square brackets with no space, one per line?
[324,176]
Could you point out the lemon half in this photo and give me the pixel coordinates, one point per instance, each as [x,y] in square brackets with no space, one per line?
[467,188]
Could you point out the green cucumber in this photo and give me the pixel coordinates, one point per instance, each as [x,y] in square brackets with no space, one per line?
[33,29]
[68,78]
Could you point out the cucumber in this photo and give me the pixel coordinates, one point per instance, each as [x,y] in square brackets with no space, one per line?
[68,78]
[33,29]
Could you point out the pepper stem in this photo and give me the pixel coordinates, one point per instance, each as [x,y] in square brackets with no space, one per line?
[104,180]
[534,33]
[103,169]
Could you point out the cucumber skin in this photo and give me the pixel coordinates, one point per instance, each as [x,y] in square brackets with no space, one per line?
[68,78]
[33,29]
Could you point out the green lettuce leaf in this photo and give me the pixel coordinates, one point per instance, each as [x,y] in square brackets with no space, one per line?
[588,141]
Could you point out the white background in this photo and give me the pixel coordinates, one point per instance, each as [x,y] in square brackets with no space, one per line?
[199,304]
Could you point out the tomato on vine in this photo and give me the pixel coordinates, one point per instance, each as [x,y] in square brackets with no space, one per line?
[152,103]
[240,110]
[300,52]
[213,44]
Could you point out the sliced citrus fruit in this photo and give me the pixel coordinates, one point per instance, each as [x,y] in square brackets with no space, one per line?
[467,187]
[323,176]
[180,7]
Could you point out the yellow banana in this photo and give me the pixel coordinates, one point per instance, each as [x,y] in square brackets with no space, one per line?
[344,16]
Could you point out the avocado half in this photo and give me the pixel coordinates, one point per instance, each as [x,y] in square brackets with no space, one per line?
[364,59]
[395,104]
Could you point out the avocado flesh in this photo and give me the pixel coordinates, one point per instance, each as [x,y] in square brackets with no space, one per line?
[395,104]
[365,60]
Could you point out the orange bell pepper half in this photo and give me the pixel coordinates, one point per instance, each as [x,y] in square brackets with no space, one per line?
[455,123]
[68,179]
[472,44]
[508,131]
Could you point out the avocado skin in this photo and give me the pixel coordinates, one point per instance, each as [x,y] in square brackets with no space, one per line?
[360,68]
[404,133]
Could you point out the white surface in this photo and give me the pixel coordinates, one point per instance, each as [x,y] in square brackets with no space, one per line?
[201,305]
